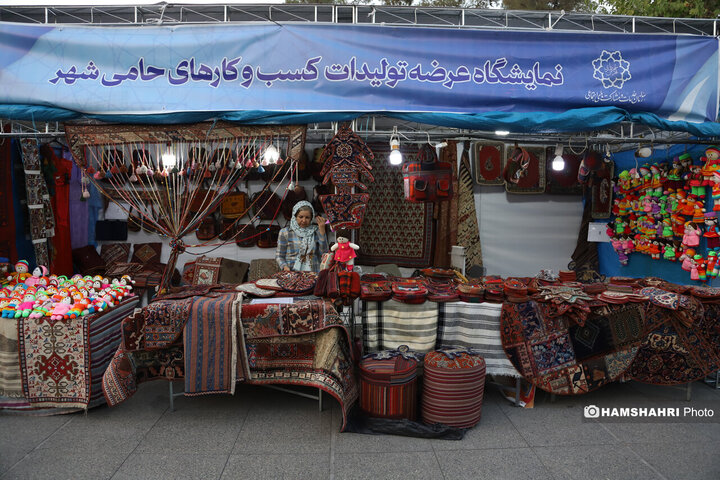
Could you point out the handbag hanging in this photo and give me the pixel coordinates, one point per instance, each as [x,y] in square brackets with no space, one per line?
[426,179]
[266,204]
[268,236]
[247,236]
[207,229]
[234,205]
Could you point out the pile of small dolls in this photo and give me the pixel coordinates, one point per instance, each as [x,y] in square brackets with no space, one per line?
[660,211]
[39,294]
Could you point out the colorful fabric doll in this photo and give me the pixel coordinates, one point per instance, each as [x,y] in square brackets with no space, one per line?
[696,182]
[25,307]
[344,251]
[656,182]
[701,268]
[61,308]
[691,237]
[669,252]
[711,263]
[687,259]
[654,250]
[20,274]
[619,245]
[674,177]
[694,274]
[712,232]
[715,191]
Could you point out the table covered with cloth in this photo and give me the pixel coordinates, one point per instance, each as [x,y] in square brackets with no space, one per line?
[426,326]
[212,340]
[56,366]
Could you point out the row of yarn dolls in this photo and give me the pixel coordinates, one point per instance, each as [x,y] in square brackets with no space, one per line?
[660,211]
[38,295]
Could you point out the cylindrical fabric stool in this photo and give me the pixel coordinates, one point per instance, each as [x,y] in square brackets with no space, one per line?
[388,385]
[453,388]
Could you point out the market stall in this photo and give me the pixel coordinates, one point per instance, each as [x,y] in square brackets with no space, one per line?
[525,148]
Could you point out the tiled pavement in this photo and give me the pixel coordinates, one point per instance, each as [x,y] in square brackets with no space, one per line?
[266,434]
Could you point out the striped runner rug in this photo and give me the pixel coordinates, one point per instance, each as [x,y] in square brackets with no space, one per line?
[387,325]
[477,326]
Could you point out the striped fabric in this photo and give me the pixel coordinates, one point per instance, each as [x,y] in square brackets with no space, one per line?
[104,339]
[476,326]
[10,384]
[210,341]
[387,325]
[468,232]
[105,332]
[453,389]
[388,387]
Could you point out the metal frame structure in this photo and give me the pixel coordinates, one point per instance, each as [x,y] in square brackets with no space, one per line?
[447,17]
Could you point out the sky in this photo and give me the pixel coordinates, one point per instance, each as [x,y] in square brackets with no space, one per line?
[57,3]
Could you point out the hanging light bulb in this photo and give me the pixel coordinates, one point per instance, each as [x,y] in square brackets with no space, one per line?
[169,159]
[502,133]
[395,157]
[271,155]
[558,163]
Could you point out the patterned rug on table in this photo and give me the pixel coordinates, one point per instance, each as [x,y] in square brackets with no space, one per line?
[562,357]
[313,351]
[383,236]
[681,345]
[55,361]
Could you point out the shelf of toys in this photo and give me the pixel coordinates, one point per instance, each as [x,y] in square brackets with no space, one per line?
[667,210]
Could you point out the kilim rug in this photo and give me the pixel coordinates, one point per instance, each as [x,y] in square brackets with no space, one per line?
[10,384]
[446,213]
[387,325]
[562,357]
[680,345]
[394,230]
[468,233]
[164,321]
[210,340]
[476,326]
[55,361]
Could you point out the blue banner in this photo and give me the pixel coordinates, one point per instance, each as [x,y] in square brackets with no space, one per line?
[161,70]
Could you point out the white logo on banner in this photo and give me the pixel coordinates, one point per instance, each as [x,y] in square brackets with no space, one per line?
[611,69]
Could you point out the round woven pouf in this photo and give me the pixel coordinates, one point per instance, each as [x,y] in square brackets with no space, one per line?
[388,387]
[453,388]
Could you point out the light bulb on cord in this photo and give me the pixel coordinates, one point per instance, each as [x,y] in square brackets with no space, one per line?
[395,157]
[169,159]
[271,155]
[558,163]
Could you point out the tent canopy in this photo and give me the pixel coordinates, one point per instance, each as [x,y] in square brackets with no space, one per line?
[534,82]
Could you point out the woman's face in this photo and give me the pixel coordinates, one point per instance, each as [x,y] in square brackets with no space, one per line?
[303,218]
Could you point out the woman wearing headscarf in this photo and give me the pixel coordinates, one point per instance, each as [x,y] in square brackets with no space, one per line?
[301,244]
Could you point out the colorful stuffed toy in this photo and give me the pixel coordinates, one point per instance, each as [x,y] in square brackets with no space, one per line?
[344,250]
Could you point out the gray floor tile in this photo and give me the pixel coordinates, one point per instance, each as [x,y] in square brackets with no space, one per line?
[684,459]
[551,426]
[10,456]
[501,464]
[206,426]
[415,465]
[634,432]
[54,465]
[591,462]
[29,432]
[495,430]
[296,428]
[175,466]
[277,467]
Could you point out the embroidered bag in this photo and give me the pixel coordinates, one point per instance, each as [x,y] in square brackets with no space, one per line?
[206,230]
[234,205]
[427,180]
[268,236]
[247,236]
[266,204]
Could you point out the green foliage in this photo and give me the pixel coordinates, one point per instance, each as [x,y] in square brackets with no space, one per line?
[567,5]
[665,8]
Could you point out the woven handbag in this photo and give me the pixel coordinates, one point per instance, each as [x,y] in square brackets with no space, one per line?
[247,236]
[268,236]
[266,204]
[207,229]
[234,205]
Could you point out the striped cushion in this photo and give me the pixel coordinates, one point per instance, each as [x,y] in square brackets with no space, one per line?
[453,388]
[388,387]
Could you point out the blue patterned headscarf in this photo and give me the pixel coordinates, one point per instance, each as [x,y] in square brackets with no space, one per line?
[306,249]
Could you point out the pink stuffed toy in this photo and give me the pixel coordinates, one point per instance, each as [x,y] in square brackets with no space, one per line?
[344,250]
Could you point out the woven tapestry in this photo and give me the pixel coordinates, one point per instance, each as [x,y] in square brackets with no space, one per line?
[42,219]
[468,231]
[681,345]
[489,162]
[565,358]
[54,361]
[394,230]
[446,213]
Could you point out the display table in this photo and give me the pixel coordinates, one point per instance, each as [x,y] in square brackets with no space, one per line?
[426,326]
[49,367]
[211,339]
